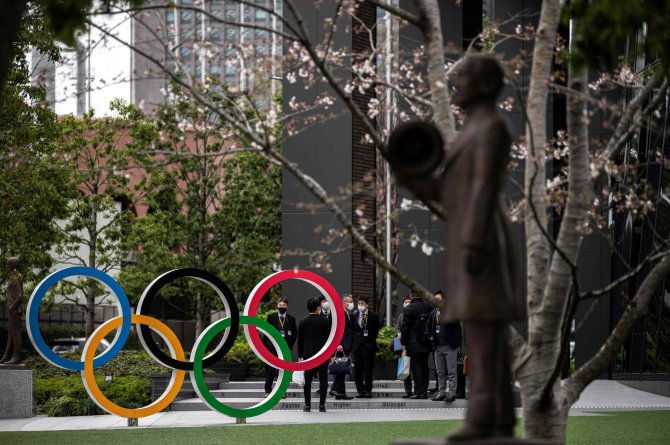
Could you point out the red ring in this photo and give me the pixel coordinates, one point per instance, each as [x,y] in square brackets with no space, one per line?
[251,309]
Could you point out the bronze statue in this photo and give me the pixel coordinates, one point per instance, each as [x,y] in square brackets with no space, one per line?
[480,280]
[12,355]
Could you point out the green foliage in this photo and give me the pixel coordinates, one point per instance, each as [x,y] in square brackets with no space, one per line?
[387,332]
[101,150]
[210,208]
[603,28]
[242,353]
[33,178]
[127,363]
[66,396]
[384,352]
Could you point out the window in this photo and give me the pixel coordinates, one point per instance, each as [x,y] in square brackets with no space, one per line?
[187,16]
[169,16]
[231,14]
[198,69]
[185,53]
[230,53]
[230,33]
[230,69]
[260,14]
[215,34]
[246,34]
[215,68]
[262,49]
[260,34]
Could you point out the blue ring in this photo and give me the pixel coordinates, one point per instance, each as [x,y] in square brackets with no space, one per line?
[32,317]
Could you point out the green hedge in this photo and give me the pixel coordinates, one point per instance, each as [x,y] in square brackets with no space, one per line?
[66,396]
[130,363]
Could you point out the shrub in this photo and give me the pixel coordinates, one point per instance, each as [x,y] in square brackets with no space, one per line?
[66,396]
[131,363]
[241,353]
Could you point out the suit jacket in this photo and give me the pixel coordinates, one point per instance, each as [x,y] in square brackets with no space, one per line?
[360,341]
[313,333]
[410,330]
[290,330]
[450,332]
[348,336]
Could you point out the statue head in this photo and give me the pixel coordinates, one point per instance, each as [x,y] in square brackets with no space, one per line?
[478,79]
[14,263]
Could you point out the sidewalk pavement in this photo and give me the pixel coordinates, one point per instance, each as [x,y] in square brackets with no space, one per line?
[600,397]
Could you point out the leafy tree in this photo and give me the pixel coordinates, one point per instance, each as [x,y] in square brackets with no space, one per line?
[101,150]
[33,177]
[212,207]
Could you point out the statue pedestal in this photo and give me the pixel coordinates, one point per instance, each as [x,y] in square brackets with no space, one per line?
[16,391]
[490,441]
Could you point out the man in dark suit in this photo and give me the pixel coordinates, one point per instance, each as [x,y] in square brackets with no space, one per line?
[416,344]
[286,326]
[339,387]
[313,334]
[446,338]
[364,347]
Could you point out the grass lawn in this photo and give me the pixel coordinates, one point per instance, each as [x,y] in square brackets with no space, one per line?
[644,427]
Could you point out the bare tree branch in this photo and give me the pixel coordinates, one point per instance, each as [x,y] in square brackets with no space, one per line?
[575,384]
[436,68]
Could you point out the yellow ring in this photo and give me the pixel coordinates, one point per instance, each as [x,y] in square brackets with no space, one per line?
[91,385]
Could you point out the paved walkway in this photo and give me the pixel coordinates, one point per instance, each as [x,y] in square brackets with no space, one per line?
[601,396]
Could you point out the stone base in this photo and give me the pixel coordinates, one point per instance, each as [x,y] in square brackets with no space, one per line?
[16,391]
[490,441]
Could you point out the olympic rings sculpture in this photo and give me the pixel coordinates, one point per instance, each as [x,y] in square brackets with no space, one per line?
[229,326]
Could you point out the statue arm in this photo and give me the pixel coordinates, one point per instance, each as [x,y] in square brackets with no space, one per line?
[15,294]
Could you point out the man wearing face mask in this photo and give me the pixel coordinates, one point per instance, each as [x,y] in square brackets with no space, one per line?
[364,347]
[286,326]
[339,388]
[408,381]
[325,307]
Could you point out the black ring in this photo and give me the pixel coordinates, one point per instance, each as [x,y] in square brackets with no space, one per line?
[219,286]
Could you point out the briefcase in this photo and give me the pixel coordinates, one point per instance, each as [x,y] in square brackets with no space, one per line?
[341,364]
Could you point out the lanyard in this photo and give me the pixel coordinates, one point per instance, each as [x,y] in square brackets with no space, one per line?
[437,317]
[281,322]
[364,321]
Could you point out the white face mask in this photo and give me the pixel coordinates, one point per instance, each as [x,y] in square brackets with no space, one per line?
[350,306]
[362,308]
[325,306]
[405,305]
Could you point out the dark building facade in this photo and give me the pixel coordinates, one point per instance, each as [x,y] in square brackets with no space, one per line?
[332,152]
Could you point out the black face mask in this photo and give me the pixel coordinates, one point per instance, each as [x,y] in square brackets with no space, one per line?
[282,310]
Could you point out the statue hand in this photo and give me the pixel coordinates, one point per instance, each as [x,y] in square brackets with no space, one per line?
[475,260]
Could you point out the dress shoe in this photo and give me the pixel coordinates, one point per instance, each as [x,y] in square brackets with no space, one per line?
[438,398]
[332,393]
[367,396]
[343,397]
[322,408]
[306,408]
[432,390]
[360,396]
[449,399]
[408,395]
[266,394]
[419,396]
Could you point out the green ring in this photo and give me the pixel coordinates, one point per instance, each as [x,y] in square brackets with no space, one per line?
[198,379]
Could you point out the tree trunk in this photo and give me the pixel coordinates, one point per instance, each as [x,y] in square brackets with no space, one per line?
[89,324]
[545,407]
